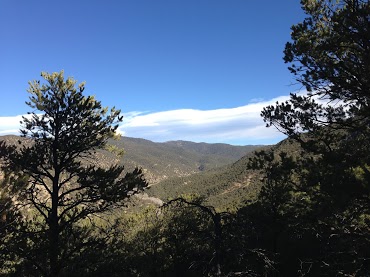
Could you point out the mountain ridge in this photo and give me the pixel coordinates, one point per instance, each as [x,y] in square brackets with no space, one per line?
[163,160]
[227,187]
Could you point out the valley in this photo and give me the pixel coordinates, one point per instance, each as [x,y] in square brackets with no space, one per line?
[217,172]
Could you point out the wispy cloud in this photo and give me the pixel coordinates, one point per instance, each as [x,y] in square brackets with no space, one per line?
[239,125]
[10,125]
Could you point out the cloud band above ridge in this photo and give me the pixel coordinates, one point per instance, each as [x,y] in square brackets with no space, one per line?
[240,125]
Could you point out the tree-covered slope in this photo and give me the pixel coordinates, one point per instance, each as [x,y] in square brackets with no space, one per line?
[226,187]
[165,160]
[222,150]
[178,158]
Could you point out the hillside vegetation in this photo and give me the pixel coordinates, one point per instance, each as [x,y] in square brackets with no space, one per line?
[177,158]
[224,187]
[227,187]
[165,160]
[300,208]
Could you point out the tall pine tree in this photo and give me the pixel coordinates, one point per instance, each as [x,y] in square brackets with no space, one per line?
[52,171]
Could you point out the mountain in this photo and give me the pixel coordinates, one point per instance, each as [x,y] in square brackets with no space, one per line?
[227,187]
[224,187]
[219,149]
[216,172]
[161,161]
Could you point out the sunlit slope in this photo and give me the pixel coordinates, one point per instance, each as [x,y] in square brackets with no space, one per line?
[164,160]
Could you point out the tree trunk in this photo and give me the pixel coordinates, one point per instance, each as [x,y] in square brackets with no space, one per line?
[54,232]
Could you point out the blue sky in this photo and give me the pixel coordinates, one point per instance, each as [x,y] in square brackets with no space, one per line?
[192,69]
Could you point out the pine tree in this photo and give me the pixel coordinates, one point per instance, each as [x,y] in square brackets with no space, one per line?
[53,170]
[330,57]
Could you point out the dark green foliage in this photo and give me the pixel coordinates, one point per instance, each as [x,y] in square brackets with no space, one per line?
[226,187]
[320,197]
[300,208]
[172,241]
[9,220]
[51,177]
[329,56]
[310,216]
[187,238]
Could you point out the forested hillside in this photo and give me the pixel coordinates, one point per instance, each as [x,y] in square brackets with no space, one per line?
[299,208]
[160,161]
[178,158]
[227,187]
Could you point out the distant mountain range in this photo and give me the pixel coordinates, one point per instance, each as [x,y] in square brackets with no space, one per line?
[218,173]
[161,161]
[227,187]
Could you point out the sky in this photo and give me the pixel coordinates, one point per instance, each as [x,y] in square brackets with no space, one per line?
[198,70]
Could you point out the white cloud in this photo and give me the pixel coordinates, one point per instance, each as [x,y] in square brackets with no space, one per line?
[10,125]
[240,125]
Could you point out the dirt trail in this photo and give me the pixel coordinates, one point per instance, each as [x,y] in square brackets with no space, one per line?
[238,185]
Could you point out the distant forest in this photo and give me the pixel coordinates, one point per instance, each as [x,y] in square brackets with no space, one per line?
[298,208]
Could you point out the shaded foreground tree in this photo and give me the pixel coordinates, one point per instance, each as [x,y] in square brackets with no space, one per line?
[173,240]
[53,176]
[330,56]
[9,217]
[216,219]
